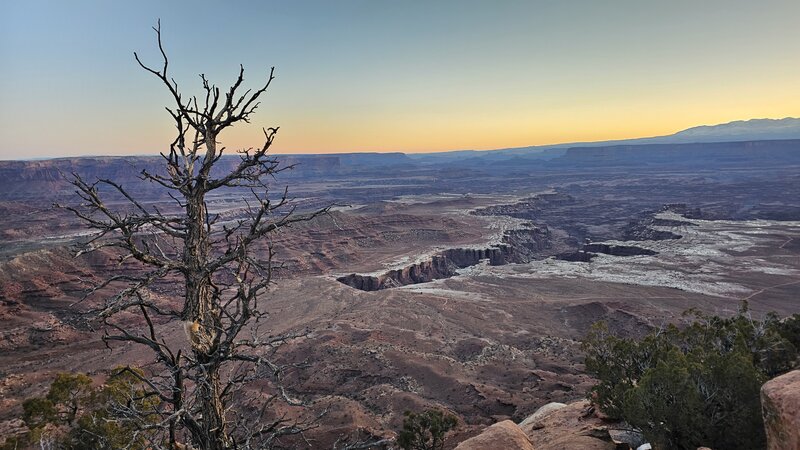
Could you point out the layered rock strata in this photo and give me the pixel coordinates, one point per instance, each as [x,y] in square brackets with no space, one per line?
[443,265]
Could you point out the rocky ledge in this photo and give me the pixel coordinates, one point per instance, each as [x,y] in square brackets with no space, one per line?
[578,426]
[557,426]
[517,246]
[442,265]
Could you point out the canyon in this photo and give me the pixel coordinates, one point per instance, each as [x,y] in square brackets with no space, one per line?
[462,284]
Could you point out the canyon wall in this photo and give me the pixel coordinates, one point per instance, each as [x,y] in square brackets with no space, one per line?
[442,265]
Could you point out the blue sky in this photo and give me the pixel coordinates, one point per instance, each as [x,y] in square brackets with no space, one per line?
[395,76]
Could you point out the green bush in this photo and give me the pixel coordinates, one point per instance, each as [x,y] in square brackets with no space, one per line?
[77,415]
[693,386]
[426,430]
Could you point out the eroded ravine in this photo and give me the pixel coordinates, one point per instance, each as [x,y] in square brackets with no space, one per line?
[517,246]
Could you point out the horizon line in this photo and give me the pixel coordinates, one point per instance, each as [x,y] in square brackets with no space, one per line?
[552,146]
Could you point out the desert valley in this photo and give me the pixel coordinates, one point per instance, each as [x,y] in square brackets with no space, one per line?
[463,281]
[367,225]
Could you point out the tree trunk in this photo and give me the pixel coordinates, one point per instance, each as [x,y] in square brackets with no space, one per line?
[195,256]
[202,315]
[215,430]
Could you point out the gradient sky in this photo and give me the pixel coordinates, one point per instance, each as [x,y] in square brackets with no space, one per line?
[369,75]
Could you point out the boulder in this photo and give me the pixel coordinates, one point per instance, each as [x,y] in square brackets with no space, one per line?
[504,435]
[780,402]
[540,413]
[574,426]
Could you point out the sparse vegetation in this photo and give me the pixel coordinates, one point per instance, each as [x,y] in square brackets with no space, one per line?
[693,386]
[425,430]
[76,414]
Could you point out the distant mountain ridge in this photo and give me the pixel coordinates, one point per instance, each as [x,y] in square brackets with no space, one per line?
[736,131]
[787,128]
[26,181]
[743,130]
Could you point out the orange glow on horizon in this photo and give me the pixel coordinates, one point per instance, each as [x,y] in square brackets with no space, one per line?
[435,76]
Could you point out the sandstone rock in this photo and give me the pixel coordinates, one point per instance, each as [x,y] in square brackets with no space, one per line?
[504,435]
[780,401]
[540,413]
[574,427]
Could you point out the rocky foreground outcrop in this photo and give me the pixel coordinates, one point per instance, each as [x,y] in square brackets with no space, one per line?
[780,401]
[505,435]
[556,426]
[576,426]
[573,426]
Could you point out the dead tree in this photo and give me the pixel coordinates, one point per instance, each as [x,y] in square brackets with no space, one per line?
[223,280]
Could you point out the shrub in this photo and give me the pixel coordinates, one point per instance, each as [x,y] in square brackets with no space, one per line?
[426,430]
[693,386]
[76,415]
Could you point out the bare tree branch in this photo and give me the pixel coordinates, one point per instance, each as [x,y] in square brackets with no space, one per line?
[221,279]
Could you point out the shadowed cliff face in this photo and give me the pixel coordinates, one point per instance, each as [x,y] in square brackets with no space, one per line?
[618,250]
[443,265]
[589,251]
[518,246]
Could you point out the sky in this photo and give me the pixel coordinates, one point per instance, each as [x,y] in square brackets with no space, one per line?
[411,76]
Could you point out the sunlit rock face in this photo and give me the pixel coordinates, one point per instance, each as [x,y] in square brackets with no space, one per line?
[780,400]
[506,435]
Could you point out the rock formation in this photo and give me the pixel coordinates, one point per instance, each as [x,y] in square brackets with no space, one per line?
[557,426]
[443,265]
[573,426]
[504,435]
[780,401]
[435,268]
[540,413]
[642,230]
[516,247]
[589,251]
